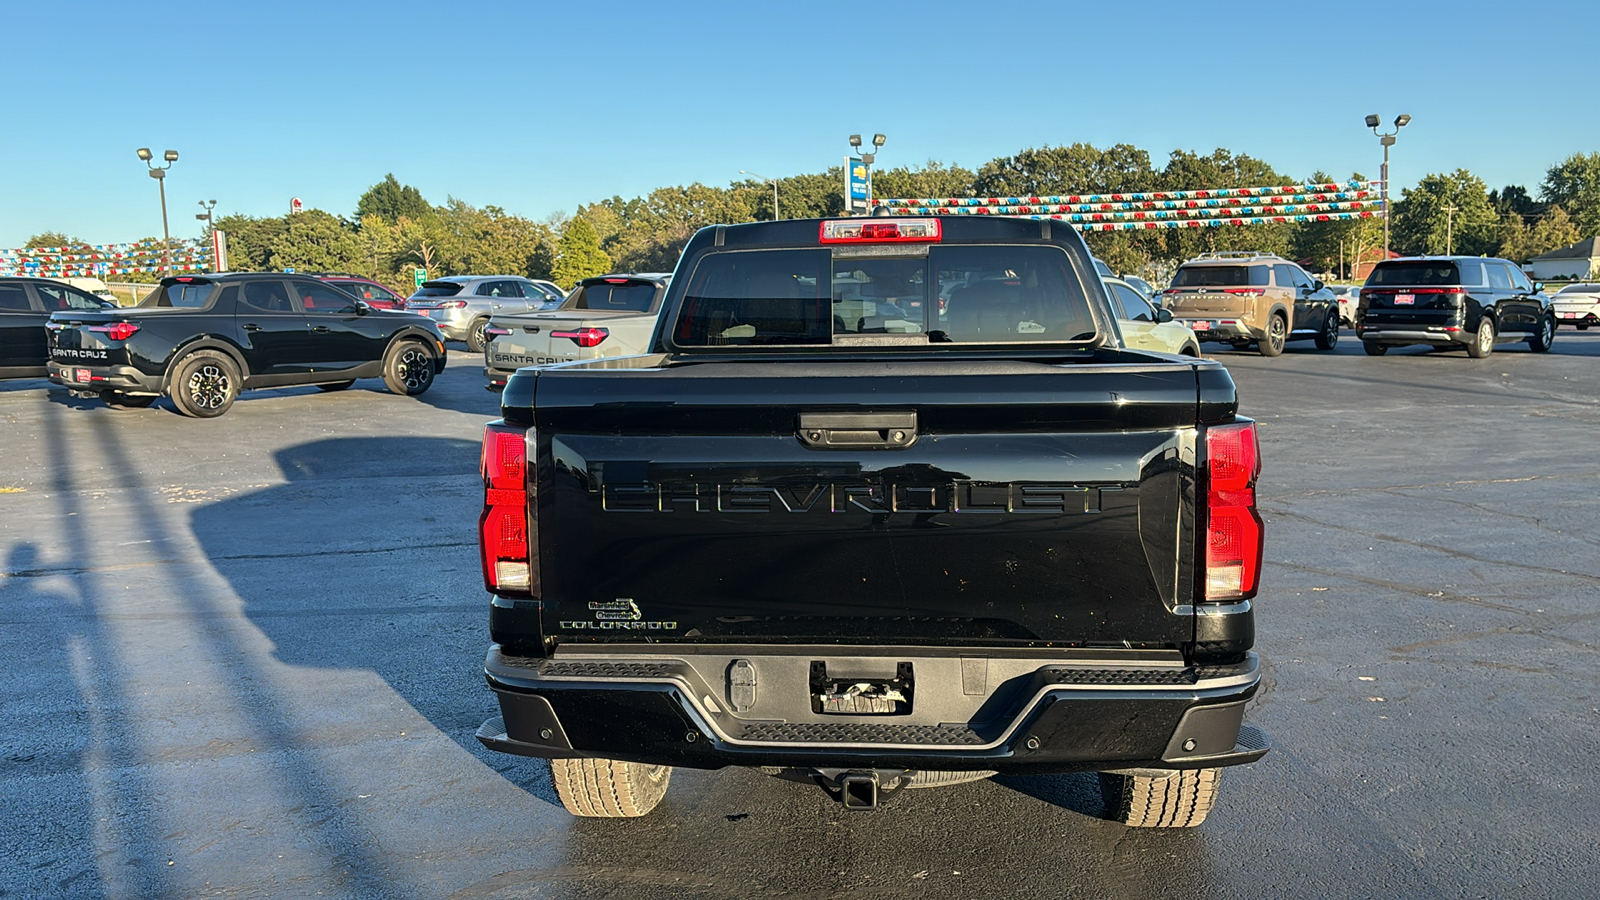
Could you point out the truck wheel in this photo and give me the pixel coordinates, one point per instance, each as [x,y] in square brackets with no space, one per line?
[1483,344]
[1374,348]
[608,788]
[476,339]
[1544,336]
[1271,343]
[1328,337]
[204,384]
[336,386]
[408,368]
[1179,799]
[119,400]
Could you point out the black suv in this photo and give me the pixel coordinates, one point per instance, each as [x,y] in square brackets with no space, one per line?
[25,305]
[1452,302]
[201,339]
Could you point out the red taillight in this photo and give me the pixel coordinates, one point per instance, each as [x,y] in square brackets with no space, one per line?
[495,331]
[1246,292]
[616,281]
[118,331]
[584,337]
[842,231]
[1233,527]
[504,541]
[453,304]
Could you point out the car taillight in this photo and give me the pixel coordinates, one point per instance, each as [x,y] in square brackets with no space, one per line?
[584,337]
[117,331]
[1233,527]
[453,304]
[506,533]
[867,231]
[495,331]
[1246,292]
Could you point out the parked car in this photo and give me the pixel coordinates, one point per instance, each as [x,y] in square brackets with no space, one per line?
[25,307]
[1577,305]
[1144,327]
[551,289]
[1240,298]
[362,288]
[1145,288]
[611,315]
[201,339]
[462,304]
[1452,302]
[1348,296]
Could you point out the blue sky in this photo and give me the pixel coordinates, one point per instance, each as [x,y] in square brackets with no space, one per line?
[538,107]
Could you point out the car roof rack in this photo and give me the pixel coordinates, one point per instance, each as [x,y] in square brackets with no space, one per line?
[1238,254]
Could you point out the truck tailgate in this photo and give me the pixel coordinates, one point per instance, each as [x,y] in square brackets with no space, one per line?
[1024,503]
[535,338]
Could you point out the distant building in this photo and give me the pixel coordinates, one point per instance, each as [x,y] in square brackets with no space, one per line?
[1570,263]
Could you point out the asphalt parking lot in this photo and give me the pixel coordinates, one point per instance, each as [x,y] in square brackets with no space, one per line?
[241,657]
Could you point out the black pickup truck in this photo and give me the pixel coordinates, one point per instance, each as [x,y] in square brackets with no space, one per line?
[888,505]
[201,339]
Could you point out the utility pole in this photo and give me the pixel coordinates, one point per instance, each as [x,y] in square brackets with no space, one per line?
[1449,229]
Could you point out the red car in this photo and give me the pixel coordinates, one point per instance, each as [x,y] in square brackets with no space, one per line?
[376,295]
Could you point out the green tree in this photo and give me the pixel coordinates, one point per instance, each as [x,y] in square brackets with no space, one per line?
[53,239]
[392,200]
[1552,232]
[1077,169]
[316,241]
[578,254]
[1574,184]
[1423,221]
[250,240]
[932,179]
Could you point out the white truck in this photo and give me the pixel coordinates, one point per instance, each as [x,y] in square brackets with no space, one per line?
[607,316]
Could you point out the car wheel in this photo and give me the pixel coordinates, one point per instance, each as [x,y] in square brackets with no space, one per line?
[204,384]
[1374,349]
[1328,337]
[336,386]
[1191,350]
[608,788]
[1271,344]
[1543,336]
[1483,343]
[1179,799]
[119,400]
[408,368]
[476,339]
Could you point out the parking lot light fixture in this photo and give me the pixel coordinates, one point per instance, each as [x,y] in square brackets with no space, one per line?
[771,181]
[1386,138]
[855,140]
[159,173]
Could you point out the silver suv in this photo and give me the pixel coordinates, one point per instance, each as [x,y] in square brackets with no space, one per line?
[462,304]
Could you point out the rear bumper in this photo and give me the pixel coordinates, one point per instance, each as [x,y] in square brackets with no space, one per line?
[1414,335]
[1220,330]
[104,378]
[1065,715]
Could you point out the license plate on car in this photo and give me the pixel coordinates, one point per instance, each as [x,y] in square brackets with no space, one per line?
[1405,299]
[80,375]
[1200,326]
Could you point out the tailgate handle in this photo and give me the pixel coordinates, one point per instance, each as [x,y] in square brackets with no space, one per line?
[858,430]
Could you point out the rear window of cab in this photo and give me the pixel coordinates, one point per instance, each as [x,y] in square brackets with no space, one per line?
[190,294]
[951,293]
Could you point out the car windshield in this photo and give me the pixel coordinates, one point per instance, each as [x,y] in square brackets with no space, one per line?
[1221,276]
[634,296]
[1415,274]
[438,289]
[954,294]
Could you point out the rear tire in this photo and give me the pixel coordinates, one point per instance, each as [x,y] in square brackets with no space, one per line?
[1271,343]
[408,368]
[1179,799]
[1543,336]
[1328,337]
[476,339]
[608,788]
[1374,349]
[119,400]
[336,386]
[204,384]
[1483,342]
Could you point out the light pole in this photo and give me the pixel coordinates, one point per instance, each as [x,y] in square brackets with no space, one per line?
[867,158]
[1387,139]
[774,183]
[208,206]
[159,173]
